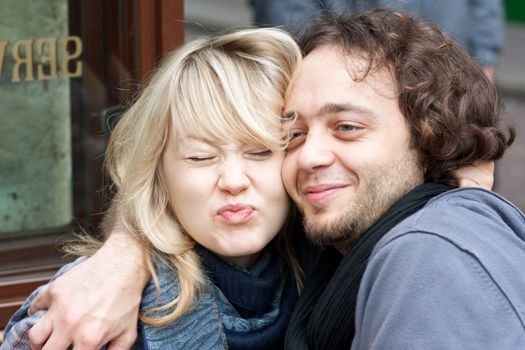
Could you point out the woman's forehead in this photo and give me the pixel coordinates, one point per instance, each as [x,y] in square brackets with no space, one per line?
[207,139]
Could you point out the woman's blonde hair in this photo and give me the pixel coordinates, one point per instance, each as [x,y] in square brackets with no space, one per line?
[232,88]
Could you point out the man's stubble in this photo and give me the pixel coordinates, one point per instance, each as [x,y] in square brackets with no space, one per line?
[385,185]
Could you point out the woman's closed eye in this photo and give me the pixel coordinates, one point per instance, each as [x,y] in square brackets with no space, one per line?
[260,154]
[199,159]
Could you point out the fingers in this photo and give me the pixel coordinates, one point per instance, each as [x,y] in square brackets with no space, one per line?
[123,342]
[486,166]
[483,175]
[44,335]
[90,337]
[41,302]
[86,309]
[489,72]
[468,182]
[479,174]
[40,332]
[56,342]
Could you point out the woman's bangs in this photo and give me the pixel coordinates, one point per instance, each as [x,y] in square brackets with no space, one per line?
[202,108]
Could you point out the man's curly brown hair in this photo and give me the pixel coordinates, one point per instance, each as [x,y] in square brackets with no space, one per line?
[454,111]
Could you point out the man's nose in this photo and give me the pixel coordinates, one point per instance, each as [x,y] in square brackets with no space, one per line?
[234,178]
[315,153]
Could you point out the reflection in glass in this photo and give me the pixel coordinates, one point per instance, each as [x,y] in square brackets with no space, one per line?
[35,146]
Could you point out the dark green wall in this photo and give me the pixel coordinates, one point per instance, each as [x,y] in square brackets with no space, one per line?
[515,10]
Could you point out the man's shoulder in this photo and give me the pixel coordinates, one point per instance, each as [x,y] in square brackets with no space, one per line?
[465,216]
[454,265]
[458,232]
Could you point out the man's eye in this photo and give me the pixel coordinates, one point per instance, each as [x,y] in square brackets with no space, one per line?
[295,139]
[295,134]
[347,127]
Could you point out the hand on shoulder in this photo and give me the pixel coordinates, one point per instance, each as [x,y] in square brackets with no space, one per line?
[95,303]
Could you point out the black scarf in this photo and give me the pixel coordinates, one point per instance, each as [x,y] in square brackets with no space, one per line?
[324,317]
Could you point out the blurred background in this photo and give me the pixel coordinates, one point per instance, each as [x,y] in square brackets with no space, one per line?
[65,68]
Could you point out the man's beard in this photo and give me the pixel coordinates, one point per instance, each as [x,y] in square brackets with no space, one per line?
[386,184]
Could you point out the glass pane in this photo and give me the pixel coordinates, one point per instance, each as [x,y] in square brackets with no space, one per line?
[35,145]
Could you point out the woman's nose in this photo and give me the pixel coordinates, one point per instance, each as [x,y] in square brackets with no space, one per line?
[234,178]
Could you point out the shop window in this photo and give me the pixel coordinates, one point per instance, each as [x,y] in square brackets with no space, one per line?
[65,67]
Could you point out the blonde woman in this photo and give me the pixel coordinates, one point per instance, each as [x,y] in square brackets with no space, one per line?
[196,162]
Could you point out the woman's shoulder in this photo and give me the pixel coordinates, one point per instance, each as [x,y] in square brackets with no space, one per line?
[162,288]
[199,328]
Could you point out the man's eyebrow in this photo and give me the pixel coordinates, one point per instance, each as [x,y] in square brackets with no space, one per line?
[332,108]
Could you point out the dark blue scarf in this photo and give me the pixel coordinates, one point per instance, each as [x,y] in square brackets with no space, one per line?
[264,291]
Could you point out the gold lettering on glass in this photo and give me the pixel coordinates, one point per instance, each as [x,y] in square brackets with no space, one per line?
[45,55]
[3,45]
[49,59]
[68,57]
[23,60]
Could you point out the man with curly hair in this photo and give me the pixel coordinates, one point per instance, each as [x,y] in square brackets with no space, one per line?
[384,109]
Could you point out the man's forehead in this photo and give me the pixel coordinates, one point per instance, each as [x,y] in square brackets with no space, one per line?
[331,81]
[358,64]
[333,56]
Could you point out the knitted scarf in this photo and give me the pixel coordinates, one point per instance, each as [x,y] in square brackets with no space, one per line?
[324,317]
[256,304]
